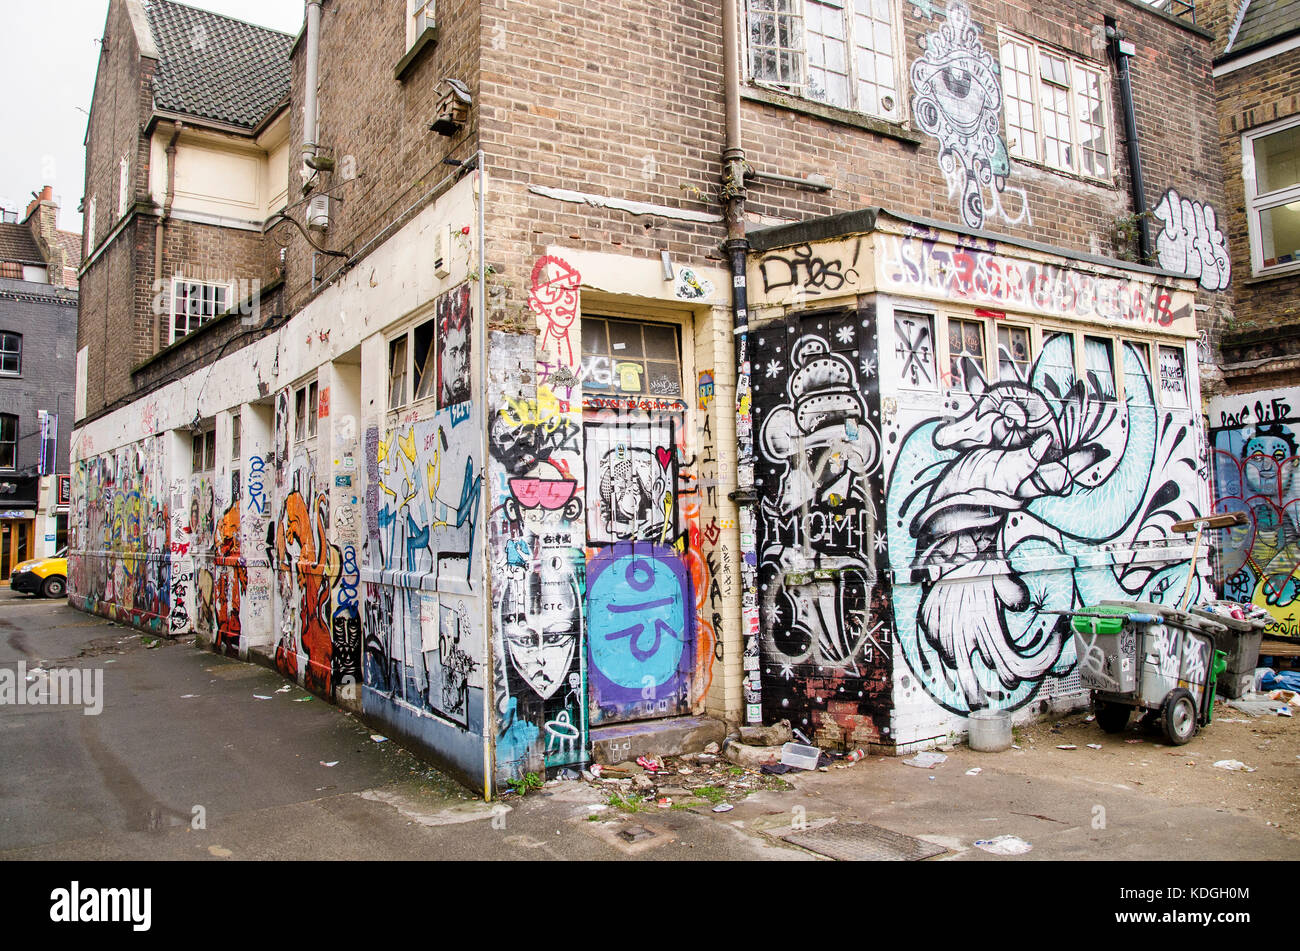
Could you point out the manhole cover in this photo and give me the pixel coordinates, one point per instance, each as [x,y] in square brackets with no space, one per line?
[860,842]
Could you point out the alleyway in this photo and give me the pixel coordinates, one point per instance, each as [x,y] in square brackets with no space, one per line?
[182,729]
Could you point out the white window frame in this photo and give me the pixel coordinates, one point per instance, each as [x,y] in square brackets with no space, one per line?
[14,442]
[172,335]
[18,353]
[1075,90]
[1256,203]
[88,226]
[793,60]
[123,185]
[415,9]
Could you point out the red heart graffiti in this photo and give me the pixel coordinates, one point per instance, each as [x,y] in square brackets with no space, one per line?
[664,455]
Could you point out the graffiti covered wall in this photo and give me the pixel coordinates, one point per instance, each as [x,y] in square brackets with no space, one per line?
[827,637]
[1253,439]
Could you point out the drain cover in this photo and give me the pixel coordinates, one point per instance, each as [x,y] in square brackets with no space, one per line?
[635,834]
[860,842]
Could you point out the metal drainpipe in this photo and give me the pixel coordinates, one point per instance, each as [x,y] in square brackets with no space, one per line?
[489,680]
[311,80]
[161,227]
[737,247]
[1121,51]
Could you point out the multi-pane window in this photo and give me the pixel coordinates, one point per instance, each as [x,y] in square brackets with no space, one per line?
[11,353]
[194,303]
[203,451]
[622,357]
[1173,377]
[1055,109]
[8,441]
[419,17]
[965,351]
[1015,353]
[426,359]
[1099,367]
[1271,170]
[397,372]
[306,412]
[840,52]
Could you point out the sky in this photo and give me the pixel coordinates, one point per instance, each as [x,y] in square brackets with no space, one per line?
[49,50]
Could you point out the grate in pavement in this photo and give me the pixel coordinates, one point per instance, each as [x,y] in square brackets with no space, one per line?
[861,842]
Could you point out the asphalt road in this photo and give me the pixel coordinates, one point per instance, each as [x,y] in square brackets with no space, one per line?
[186,762]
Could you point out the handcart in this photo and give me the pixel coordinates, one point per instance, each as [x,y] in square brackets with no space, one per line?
[1154,657]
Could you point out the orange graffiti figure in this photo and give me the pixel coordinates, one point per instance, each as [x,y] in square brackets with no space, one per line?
[296,534]
[232,580]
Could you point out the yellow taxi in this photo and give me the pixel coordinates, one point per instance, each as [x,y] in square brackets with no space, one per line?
[47,577]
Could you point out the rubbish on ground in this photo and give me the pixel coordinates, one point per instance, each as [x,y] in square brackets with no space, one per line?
[663,803]
[1288,679]
[1234,764]
[323,763]
[795,731]
[723,807]
[686,771]
[1132,741]
[378,739]
[776,769]
[188,696]
[1066,746]
[285,689]
[800,756]
[261,696]
[649,764]
[567,774]
[301,699]
[1015,746]
[856,755]
[1254,708]
[974,771]
[1094,746]
[1284,712]
[926,760]
[1089,718]
[1004,845]
[1229,720]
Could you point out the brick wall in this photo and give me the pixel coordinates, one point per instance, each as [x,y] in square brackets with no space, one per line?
[565,104]
[47,319]
[381,123]
[1248,98]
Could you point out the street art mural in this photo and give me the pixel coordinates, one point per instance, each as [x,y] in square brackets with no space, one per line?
[120,536]
[957,99]
[423,638]
[996,512]
[826,638]
[1255,464]
[453,316]
[1190,241]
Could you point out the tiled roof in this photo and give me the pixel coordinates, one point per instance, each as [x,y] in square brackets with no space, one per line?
[1265,20]
[214,67]
[70,241]
[17,244]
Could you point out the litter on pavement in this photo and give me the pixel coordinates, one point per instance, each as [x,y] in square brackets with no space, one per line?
[926,760]
[1004,845]
[974,772]
[1234,764]
[378,739]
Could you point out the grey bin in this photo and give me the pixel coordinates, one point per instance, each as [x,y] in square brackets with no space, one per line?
[1240,641]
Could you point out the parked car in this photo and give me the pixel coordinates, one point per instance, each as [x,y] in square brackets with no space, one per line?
[47,577]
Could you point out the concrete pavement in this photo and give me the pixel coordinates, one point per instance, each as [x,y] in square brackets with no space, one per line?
[186,762]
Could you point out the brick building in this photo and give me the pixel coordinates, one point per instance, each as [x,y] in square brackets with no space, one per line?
[1253,419]
[494,477]
[38,334]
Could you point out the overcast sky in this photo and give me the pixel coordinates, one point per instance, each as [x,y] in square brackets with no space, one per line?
[47,68]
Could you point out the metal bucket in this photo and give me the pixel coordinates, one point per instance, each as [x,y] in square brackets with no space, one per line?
[990,731]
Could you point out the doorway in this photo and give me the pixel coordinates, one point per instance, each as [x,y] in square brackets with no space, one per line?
[640,606]
[15,544]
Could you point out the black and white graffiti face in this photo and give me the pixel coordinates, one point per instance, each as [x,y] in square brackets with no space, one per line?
[635,493]
[541,622]
[455,366]
[958,100]
[822,434]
